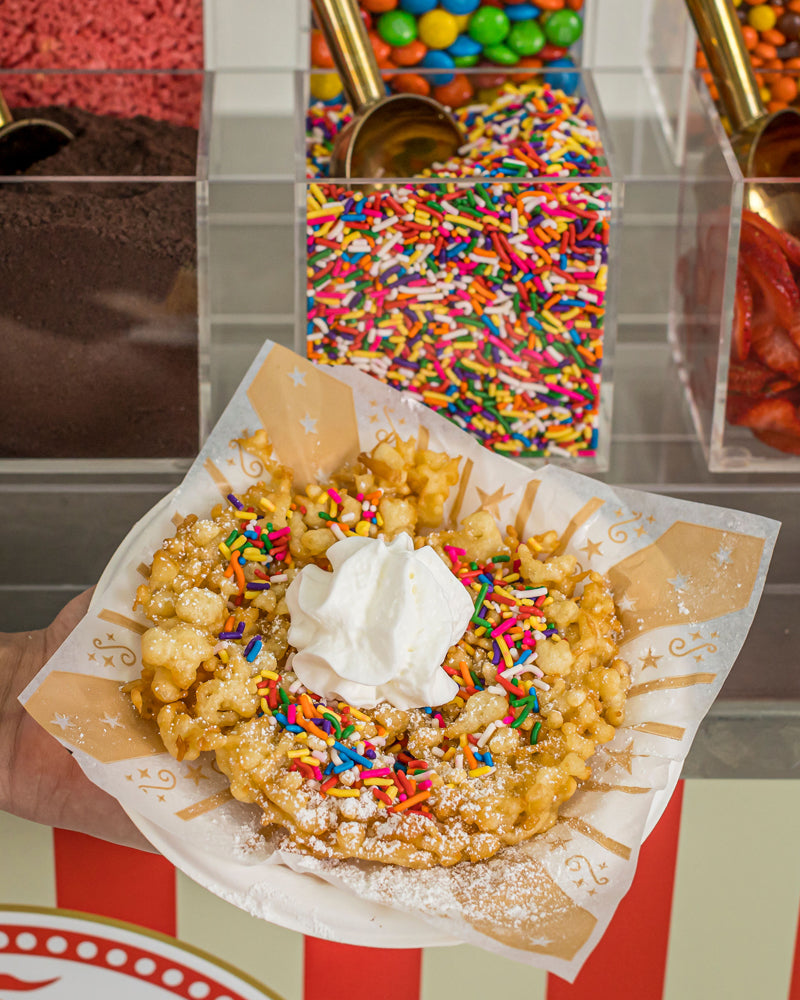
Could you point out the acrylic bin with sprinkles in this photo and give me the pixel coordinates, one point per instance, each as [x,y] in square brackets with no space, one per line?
[485,288]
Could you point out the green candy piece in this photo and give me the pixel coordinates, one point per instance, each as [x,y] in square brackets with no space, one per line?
[563,28]
[397,28]
[501,54]
[488,26]
[464,62]
[526,38]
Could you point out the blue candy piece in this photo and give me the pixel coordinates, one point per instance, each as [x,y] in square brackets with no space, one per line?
[522,12]
[461,6]
[568,82]
[464,46]
[417,7]
[437,59]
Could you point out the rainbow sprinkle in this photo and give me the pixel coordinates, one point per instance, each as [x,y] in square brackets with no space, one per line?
[483,295]
[509,615]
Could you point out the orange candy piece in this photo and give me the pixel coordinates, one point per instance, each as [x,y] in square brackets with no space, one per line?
[320,53]
[411,54]
[410,83]
[784,89]
[750,36]
[456,93]
[379,6]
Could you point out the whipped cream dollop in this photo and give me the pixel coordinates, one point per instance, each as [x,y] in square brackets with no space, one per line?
[378,627]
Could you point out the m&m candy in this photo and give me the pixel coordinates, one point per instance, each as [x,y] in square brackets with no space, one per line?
[429,41]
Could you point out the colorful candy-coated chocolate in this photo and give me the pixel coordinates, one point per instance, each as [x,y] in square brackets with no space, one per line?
[563,28]
[325,86]
[566,81]
[438,29]
[453,95]
[378,6]
[411,83]
[439,60]
[489,25]
[465,46]
[460,6]
[526,38]
[417,7]
[501,54]
[523,12]
[320,53]
[397,28]
[409,55]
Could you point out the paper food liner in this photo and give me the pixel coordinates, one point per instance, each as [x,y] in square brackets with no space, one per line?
[686,577]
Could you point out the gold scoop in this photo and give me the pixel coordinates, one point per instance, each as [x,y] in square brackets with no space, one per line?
[766,145]
[27,140]
[396,135]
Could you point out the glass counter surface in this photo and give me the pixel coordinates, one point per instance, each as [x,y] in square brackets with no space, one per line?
[753,730]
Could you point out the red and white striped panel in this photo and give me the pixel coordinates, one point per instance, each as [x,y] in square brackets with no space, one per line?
[713,911]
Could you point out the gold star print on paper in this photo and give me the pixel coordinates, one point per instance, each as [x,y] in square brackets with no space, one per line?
[641,530]
[373,418]
[161,798]
[110,637]
[195,774]
[623,758]
[492,501]
[650,660]
[144,773]
[93,656]
[129,777]
[108,661]
[696,636]
[592,548]
[559,841]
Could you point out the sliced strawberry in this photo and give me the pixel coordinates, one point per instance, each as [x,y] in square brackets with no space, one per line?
[742,316]
[750,378]
[768,271]
[788,243]
[774,348]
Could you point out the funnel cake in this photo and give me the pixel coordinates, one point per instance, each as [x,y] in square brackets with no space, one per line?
[540,683]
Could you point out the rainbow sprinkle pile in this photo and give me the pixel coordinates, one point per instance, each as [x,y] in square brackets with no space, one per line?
[484,296]
[345,763]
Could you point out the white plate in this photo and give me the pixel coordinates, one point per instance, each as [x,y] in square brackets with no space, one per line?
[302,902]
[66,955]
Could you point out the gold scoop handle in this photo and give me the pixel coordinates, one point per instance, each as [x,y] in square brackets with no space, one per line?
[344,31]
[721,38]
[5,115]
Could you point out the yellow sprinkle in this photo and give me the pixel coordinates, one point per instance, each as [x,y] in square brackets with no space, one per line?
[449,754]
[245,515]
[225,550]
[240,541]
[355,712]
[254,555]
[478,771]
[297,753]
[362,528]
[301,737]
[533,544]
[501,642]
[316,191]
[267,505]
[378,781]
[265,706]
[223,655]
[378,519]
[344,793]
[269,675]
[308,759]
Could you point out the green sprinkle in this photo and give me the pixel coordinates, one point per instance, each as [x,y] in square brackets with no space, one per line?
[501,559]
[523,715]
[535,733]
[480,598]
[334,722]
[325,517]
[232,537]
[347,732]
[284,697]
[481,621]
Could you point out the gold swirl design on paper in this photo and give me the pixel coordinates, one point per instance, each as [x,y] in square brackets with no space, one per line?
[603,786]
[127,656]
[249,463]
[579,863]
[677,647]
[164,775]
[616,532]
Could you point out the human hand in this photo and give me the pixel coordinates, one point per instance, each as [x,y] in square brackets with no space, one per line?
[39,779]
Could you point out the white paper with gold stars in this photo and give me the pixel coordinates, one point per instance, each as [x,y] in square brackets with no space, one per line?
[686,577]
